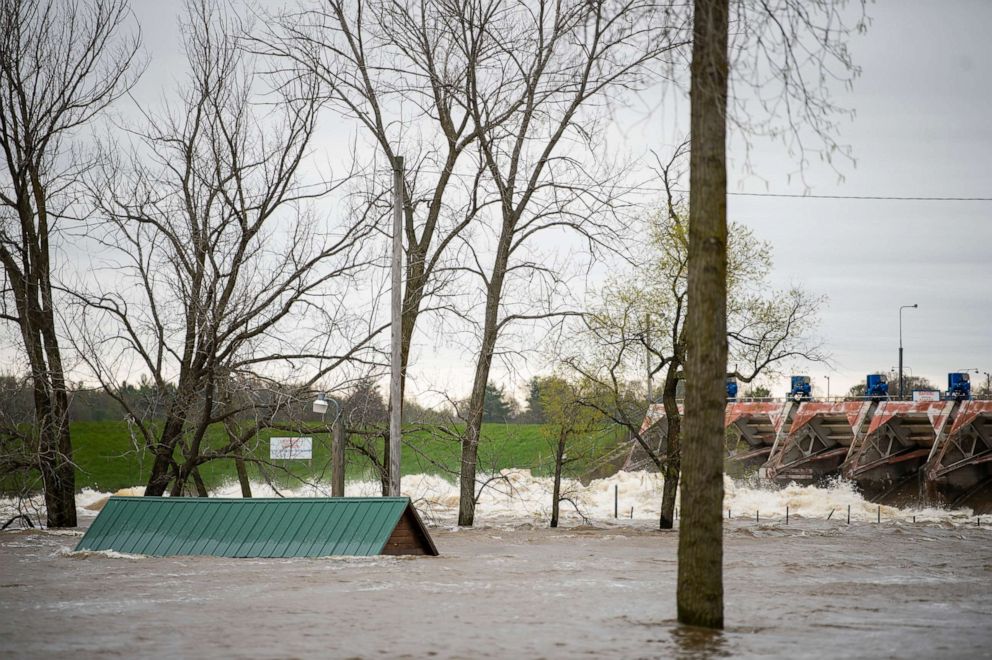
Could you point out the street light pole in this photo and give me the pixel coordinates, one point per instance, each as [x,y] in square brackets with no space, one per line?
[914,306]
[828,386]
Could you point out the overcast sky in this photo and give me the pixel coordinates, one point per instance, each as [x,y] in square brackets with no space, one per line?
[922,128]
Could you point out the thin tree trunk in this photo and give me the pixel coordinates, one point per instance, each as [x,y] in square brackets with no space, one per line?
[556,495]
[239,464]
[700,573]
[178,483]
[473,430]
[384,471]
[413,293]
[384,468]
[673,453]
[201,488]
[466,476]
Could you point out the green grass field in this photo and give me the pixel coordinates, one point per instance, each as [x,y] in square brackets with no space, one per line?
[108,459]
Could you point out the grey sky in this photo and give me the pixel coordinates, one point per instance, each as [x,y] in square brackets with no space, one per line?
[922,129]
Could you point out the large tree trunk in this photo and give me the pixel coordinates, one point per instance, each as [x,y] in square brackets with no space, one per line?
[36,320]
[700,574]
[162,467]
[55,459]
[673,453]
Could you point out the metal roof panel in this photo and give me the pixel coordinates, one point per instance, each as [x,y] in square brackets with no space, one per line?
[259,527]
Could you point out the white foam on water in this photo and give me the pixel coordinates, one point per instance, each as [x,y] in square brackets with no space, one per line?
[86,554]
[516,496]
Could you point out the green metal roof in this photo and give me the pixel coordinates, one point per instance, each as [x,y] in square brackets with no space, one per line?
[257,527]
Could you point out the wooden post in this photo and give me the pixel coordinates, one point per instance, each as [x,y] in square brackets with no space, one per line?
[239,465]
[337,458]
[395,396]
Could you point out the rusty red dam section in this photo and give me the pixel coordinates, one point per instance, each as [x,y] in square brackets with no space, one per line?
[939,452]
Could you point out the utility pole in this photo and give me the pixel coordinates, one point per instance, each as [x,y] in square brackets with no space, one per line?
[828,386]
[914,306]
[395,396]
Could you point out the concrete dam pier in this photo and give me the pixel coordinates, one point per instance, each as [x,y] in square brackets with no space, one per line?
[937,451]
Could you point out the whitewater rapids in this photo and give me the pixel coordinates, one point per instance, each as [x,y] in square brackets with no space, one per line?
[516,496]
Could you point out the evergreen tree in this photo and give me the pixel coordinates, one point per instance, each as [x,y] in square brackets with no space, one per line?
[535,413]
[496,407]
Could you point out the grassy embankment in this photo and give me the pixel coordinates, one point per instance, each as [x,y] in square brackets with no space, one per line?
[108,460]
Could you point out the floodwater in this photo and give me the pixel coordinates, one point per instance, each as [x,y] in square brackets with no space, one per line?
[814,588]
[918,584]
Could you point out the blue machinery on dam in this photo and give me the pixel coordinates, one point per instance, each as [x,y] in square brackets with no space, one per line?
[937,446]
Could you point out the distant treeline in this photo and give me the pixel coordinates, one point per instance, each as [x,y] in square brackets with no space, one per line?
[362,405]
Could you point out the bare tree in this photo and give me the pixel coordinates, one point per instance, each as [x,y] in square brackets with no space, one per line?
[395,68]
[644,312]
[61,65]
[18,444]
[229,283]
[546,70]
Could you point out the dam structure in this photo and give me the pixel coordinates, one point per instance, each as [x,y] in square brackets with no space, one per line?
[935,448]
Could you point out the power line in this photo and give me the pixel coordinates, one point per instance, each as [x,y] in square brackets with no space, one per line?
[657,189]
[898,198]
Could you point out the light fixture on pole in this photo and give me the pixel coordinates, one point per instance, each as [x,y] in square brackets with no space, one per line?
[913,306]
[320,404]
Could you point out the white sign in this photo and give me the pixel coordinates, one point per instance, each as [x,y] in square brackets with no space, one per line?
[291,448]
[926,395]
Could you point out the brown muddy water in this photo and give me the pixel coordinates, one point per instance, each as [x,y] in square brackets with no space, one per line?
[812,589]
